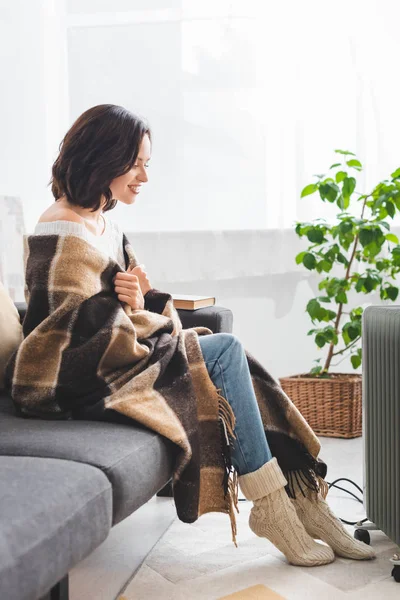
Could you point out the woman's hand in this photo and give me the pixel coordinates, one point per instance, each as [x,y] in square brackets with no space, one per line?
[145,285]
[128,288]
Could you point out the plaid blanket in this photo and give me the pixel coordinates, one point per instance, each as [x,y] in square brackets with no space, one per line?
[85,354]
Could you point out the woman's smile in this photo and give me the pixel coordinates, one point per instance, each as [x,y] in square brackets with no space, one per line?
[135,189]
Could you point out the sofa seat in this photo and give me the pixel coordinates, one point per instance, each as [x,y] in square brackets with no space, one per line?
[53,513]
[137,461]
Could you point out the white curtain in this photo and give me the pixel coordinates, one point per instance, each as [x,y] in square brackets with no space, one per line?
[247,100]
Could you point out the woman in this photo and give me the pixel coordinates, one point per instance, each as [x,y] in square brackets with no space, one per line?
[91,373]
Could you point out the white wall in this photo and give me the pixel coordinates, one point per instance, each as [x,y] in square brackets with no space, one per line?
[33,115]
[247,100]
[242,116]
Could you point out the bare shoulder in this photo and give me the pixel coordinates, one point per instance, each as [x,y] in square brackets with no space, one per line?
[60,213]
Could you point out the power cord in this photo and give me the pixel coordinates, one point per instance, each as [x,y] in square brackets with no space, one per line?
[333,484]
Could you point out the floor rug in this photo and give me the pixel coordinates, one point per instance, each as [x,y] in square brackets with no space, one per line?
[256,592]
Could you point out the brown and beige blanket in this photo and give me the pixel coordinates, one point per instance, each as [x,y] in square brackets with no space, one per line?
[85,353]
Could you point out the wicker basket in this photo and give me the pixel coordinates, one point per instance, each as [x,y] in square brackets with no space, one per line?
[332,407]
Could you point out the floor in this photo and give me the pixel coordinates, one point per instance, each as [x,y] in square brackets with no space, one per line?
[154,555]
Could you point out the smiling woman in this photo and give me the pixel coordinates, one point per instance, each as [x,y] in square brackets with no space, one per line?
[103,159]
[106,150]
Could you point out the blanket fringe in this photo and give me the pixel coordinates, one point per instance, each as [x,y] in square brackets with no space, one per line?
[228,416]
[230,480]
[306,475]
[323,487]
[309,479]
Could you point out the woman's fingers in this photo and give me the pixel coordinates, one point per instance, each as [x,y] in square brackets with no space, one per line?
[125,290]
[131,289]
[128,285]
[126,277]
[134,302]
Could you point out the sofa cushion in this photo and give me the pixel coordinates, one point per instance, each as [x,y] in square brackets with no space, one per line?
[10,330]
[137,461]
[53,513]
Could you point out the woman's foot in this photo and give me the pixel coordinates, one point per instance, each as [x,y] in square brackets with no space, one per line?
[274,517]
[320,522]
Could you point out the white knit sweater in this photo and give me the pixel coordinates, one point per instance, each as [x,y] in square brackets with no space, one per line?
[110,242]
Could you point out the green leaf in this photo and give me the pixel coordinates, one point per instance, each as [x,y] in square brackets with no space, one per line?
[316,370]
[345,336]
[320,340]
[299,257]
[342,259]
[380,265]
[329,191]
[309,189]
[342,204]
[341,297]
[395,174]
[384,224]
[335,165]
[345,227]
[324,265]
[314,308]
[340,175]
[329,334]
[324,299]
[355,360]
[316,311]
[365,236]
[309,261]
[392,238]
[369,284]
[353,332]
[354,163]
[349,185]
[390,208]
[345,152]
[392,292]
[315,235]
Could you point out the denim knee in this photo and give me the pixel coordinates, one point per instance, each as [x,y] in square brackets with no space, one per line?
[229,341]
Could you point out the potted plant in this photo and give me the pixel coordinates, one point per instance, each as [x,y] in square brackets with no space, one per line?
[360,244]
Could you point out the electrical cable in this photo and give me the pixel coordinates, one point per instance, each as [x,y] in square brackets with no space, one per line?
[333,484]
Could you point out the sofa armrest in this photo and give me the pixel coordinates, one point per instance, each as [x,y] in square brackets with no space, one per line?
[216,318]
[21,307]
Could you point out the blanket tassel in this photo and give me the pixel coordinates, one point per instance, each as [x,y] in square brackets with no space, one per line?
[323,487]
[309,479]
[230,481]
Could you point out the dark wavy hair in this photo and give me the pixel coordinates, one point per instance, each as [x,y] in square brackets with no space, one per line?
[101,145]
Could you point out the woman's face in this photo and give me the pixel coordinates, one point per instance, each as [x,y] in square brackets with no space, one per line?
[127,187]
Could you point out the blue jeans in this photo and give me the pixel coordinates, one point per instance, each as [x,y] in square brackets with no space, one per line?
[227,366]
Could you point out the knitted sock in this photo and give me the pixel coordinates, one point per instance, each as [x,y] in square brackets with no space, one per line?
[320,522]
[274,517]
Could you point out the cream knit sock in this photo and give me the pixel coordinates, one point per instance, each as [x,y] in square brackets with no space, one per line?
[320,522]
[274,517]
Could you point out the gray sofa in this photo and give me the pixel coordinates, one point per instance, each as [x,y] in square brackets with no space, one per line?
[64,484]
